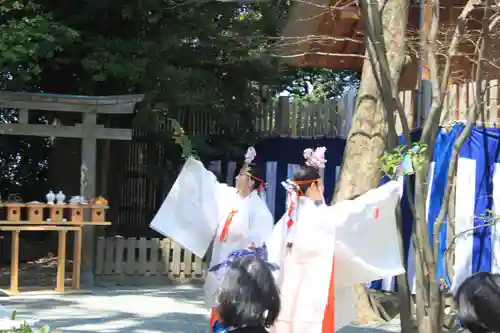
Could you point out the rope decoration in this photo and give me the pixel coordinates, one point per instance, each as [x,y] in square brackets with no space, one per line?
[292,190]
[259,252]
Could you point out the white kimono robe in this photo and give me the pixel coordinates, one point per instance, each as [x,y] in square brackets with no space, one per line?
[195,212]
[360,233]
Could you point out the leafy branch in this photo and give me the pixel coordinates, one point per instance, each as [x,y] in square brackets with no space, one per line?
[182,139]
[488,217]
[408,158]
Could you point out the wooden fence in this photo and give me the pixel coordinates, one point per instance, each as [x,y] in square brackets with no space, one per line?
[281,117]
[457,103]
[460,98]
[334,117]
[132,261]
[287,117]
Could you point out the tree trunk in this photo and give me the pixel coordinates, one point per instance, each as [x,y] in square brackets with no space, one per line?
[367,139]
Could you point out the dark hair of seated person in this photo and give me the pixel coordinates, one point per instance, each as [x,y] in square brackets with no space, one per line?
[477,301]
[248,299]
[305,173]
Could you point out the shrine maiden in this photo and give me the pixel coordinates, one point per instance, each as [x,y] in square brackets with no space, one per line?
[199,210]
[324,251]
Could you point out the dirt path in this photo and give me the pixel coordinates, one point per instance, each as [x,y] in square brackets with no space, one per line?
[41,272]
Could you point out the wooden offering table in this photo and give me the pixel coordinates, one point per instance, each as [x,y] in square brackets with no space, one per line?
[49,217]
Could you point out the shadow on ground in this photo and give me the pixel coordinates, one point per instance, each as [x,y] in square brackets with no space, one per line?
[124,310]
[169,309]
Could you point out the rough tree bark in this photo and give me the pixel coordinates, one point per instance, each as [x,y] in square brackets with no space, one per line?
[368,137]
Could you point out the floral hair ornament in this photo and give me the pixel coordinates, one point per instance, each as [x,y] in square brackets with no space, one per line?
[259,252]
[315,158]
[249,157]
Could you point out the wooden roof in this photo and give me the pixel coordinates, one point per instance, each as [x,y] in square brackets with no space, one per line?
[316,35]
[313,33]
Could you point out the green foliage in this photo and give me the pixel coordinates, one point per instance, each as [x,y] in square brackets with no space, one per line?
[182,139]
[410,158]
[317,84]
[188,56]
[489,218]
[25,328]
[23,161]
[28,36]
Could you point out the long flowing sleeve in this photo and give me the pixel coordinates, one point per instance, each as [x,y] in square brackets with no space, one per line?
[367,246]
[261,221]
[276,247]
[191,211]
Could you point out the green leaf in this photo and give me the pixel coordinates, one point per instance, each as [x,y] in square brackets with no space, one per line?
[45,329]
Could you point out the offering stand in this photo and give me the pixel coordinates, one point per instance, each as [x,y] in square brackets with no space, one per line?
[19,217]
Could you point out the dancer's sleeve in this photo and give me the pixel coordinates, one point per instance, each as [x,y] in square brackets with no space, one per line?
[366,236]
[367,246]
[261,223]
[276,246]
[191,211]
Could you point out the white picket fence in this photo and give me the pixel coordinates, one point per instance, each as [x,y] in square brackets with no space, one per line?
[145,261]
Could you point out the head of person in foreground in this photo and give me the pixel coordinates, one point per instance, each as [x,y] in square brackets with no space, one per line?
[248,296]
[477,301]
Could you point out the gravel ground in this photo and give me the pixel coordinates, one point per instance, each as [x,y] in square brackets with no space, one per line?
[170,309]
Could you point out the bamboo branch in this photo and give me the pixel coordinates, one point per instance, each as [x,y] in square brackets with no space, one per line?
[380,65]
[476,108]
[447,251]
[392,101]
[438,100]
[376,50]
[472,116]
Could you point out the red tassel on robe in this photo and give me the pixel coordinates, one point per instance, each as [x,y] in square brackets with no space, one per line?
[329,315]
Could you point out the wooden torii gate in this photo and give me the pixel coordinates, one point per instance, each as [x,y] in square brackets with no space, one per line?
[88,131]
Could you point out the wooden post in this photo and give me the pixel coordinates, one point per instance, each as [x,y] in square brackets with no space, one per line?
[424,92]
[23,116]
[283,117]
[14,264]
[61,261]
[87,190]
[77,259]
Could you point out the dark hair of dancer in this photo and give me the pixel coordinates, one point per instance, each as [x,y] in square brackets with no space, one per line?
[248,295]
[254,172]
[305,176]
[477,301]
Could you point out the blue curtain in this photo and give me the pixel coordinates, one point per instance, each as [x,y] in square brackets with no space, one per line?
[437,183]
[483,146]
